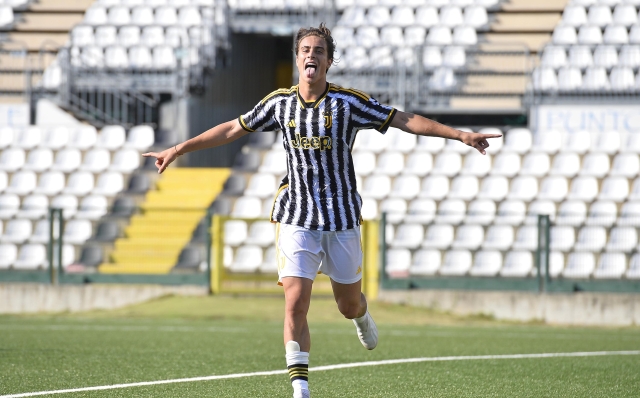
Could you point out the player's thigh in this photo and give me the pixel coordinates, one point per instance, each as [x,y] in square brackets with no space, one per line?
[343,256]
[299,252]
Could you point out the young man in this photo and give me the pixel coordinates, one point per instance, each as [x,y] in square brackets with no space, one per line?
[317,208]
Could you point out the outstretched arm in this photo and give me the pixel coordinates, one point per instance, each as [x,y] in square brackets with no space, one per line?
[216,136]
[416,124]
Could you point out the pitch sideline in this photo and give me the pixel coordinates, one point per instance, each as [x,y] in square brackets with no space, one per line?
[329,367]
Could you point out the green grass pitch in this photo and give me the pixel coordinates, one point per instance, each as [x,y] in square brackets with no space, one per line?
[185,337]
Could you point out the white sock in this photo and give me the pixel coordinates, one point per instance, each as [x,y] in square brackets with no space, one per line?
[361,321]
[298,365]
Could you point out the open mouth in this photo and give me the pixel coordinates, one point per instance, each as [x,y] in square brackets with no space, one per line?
[310,69]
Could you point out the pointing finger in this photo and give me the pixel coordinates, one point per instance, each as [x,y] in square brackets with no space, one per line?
[149,154]
[491,135]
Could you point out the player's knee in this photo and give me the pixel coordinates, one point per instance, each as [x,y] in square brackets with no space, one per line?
[349,309]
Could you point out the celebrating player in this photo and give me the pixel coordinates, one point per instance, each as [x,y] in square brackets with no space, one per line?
[317,208]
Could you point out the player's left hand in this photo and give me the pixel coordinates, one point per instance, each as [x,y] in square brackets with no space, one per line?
[478,141]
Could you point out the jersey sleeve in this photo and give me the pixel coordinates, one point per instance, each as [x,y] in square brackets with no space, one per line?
[368,113]
[261,117]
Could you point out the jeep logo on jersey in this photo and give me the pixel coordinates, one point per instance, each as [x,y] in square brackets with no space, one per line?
[320,143]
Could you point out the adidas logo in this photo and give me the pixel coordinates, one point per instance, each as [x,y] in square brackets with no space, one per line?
[292,123]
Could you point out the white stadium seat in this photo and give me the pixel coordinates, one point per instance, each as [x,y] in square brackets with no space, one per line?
[96,160]
[22,183]
[517,264]
[261,185]
[553,57]
[584,189]
[4,181]
[427,16]
[602,213]
[511,212]
[83,138]
[590,34]
[616,34]
[476,164]
[398,262]
[418,164]
[77,232]
[28,138]
[517,140]
[39,160]
[376,187]
[55,138]
[235,232]
[600,15]
[569,79]
[105,36]
[564,35]
[68,204]
[165,16]
[629,214]
[451,211]
[468,237]
[497,143]
[572,212]
[544,79]
[574,16]
[402,16]
[33,207]
[247,259]
[378,16]
[438,236]
[247,207]
[352,17]
[604,56]
[261,233]
[31,256]
[116,57]
[621,79]
[486,263]
[526,238]
[405,187]
[425,262]
[591,239]
[465,36]
[481,212]
[408,236]
[140,57]
[7,135]
[535,164]
[364,162]
[391,36]
[475,16]
[611,265]
[439,36]
[622,239]
[8,255]
[82,35]
[464,187]
[92,207]
[95,16]
[615,189]
[434,187]
[369,210]
[456,262]
[109,184]
[595,165]
[554,188]
[421,211]
[579,265]
[451,16]
[16,231]
[629,56]
[118,16]
[152,36]
[454,57]
[523,188]
[565,164]
[448,164]
[634,267]
[129,36]
[125,161]
[562,238]
[111,137]
[494,188]
[189,16]
[9,205]
[625,15]
[498,237]
[580,57]
[430,144]
[389,163]
[269,264]
[431,59]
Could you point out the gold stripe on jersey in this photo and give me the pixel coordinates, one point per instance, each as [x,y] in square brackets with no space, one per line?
[359,93]
[244,125]
[279,91]
[387,120]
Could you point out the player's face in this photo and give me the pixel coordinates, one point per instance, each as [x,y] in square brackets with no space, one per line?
[313,60]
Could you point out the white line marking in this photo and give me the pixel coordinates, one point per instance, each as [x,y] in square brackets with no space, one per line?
[329,367]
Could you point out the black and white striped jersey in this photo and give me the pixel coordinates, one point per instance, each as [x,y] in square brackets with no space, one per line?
[319,191]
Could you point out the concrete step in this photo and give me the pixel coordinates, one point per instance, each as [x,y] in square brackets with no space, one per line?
[533,41]
[525,22]
[485,102]
[534,6]
[78,6]
[35,41]
[508,84]
[48,22]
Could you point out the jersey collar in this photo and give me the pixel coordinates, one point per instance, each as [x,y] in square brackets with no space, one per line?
[317,102]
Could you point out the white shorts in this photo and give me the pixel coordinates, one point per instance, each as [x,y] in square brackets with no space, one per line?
[305,253]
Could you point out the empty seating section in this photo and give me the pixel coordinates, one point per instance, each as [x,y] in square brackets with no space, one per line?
[451,211]
[75,168]
[595,48]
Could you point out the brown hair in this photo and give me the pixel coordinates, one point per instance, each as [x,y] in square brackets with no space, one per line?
[322,32]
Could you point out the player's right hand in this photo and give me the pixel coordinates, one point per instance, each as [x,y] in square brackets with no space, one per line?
[163,159]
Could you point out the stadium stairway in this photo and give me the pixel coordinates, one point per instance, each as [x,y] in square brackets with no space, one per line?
[43,25]
[153,240]
[517,24]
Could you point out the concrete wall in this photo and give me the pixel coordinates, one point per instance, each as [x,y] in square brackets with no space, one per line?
[23,298]
[607,309]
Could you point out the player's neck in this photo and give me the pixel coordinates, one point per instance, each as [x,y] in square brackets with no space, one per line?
[311,92]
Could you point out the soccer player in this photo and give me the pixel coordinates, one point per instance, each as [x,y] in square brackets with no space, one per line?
[317,208]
